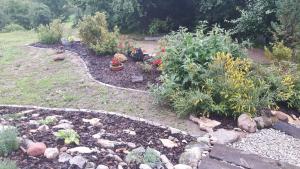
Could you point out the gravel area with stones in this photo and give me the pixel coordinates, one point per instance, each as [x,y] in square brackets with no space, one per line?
[273,144]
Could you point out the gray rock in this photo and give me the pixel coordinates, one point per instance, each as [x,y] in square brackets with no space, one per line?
[166,162]
[131,145]
[191,157]
[264,122]
[43,128]
[182,166]
[102,167]
[51,153]
[120,166]
[144,166]
[174,130]
[225,136]
[64,157]
[130,132]
[81,150]
[90,165]
[63,126]
[200,146]
[78,161]
[204,139]
[106,143]
[246,123]
[33,123]
[168,143]
[94,122]
[137,79]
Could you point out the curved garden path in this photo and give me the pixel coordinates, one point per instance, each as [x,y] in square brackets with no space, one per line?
[29,76]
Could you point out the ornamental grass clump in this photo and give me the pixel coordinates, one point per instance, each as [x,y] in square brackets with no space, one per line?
[8,140]
[52,33]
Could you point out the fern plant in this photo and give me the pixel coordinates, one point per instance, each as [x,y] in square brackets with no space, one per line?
[68,135]
[8,140]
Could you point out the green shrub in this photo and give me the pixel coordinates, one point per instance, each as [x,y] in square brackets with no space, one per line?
[93,31]
[68,135]
[142,156]
[12,28]
[279,52]
[8,140]
[8,164]
[52,33]
[158,26]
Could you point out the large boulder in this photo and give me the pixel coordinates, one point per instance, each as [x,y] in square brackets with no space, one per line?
[246,123]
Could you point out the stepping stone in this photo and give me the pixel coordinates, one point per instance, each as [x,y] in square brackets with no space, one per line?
[247,160]
[287,129]
[209,163]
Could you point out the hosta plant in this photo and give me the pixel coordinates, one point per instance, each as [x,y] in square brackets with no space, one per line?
[69,136]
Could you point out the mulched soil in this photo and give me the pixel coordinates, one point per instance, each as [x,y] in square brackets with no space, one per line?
[146,135]
[99,68]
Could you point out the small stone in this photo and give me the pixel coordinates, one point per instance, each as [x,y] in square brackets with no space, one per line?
[106,143]
[64,121]
[120,167]
[78,160]
[63,149]
[33,123]
[166,162]
[264,122]
[81,150]
[168,143]
[64,157]
[51,153]
[174,130]
[35,115]
[122,164]
[246,123]
[94,122]
[191,157]
[102,167]
[36,149]
[59,57]
[144,166]
[182,166]
[43,128]
[63,126]
[97,136]
[130,132]
[205,123]
[90,165]
[117,158]
[280,115]
[204,140]
[131,145]
[200,146]
[137,79]
[223,136]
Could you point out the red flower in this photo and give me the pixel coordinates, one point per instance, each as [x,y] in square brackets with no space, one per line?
[157,62]
[115,62]
[163,50]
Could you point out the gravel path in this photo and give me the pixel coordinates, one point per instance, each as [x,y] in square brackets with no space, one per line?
[273,144]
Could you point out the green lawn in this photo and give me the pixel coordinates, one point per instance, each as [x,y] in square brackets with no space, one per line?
[29,76]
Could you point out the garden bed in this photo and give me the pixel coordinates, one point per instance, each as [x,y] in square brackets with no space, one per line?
[113,128]
[99,68]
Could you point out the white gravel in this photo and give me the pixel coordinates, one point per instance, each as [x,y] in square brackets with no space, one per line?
[273,144]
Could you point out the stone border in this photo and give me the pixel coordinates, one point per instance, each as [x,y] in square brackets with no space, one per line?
[87,71]
[100,112]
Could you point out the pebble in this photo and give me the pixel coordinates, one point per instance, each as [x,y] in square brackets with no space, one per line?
[106,143]
[272,144]
[43,128]
[90,165]
[168,143]
[36,149]
[64,157]
[130,132]
[223,136]
[182,166]
[81,150]
[94,122]
[102,167]
[166,162]
[78,161]
[144,166]
[63,126]
[51,153]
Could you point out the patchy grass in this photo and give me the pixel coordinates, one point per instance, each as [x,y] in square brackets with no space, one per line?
[29,76]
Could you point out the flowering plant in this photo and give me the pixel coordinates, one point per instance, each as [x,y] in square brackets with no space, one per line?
[115,62]
[157,62]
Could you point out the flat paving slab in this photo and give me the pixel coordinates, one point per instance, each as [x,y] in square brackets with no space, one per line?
[246,160]
[287,129]
[209,163]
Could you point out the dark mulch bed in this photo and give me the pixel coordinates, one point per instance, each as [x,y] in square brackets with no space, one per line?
[99,68]
[146,135]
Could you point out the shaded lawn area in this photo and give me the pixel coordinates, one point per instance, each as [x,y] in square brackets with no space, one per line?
[29,76]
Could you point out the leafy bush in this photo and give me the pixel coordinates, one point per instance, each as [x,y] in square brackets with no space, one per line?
[52,33]
[93,31]
[279,52]
[8,164]
[68,135]
[159,26]
[8,140]
[12,28]
[141,156]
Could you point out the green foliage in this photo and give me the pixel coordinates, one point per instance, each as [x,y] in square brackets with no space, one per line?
[93,31]
[68,135]
[8,140]
[8,164]
[288,27]
[279,52]
[255,20]
[50,34]
[141,156]
[49,120]
[12,28]
[159,26]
